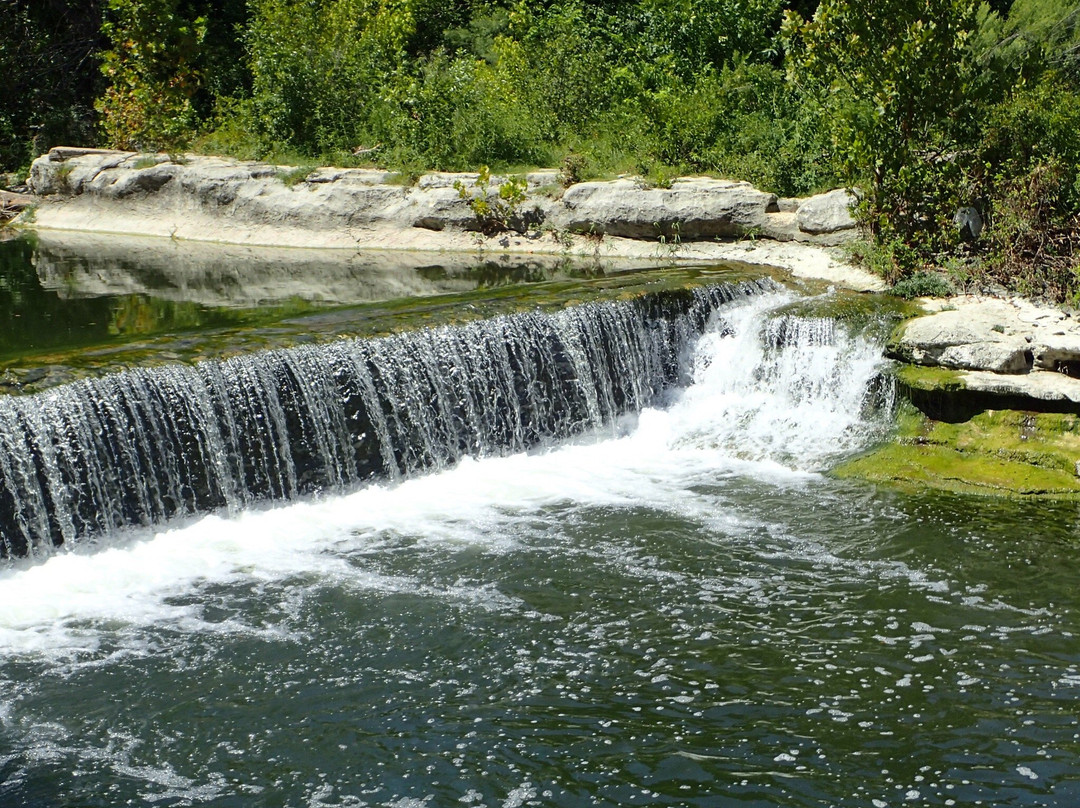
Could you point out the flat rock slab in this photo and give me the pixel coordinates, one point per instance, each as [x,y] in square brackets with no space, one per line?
[973,339]
[692,208]
[1039,385]
[99,185]
[1016,354]
[991,334]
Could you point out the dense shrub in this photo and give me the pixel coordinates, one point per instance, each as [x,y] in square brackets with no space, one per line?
[939,104]
[892,74]
[925,105]
[151,73]
[1031,188]
[923,284]
[638,86]
[48,60]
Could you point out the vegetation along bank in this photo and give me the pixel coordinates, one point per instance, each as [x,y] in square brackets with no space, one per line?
[928,108]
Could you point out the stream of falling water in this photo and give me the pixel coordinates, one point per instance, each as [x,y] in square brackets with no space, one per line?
[677,608]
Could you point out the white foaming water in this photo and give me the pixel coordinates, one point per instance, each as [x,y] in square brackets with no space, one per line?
[795,397]
[773,412]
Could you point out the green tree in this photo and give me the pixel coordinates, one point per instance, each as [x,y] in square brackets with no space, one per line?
[151,71]
[48,52]
[223,70]
[695,33]
[318,67]
[894,77]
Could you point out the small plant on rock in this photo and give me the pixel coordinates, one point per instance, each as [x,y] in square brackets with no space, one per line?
[574,168]
[923,284]
[63,177]
[494,210]
[295,176]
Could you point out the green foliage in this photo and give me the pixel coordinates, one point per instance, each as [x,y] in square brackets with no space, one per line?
[942,103]
[1033,35]
[629,87]
[295,176]
[742,121]
[496,210]
[313,64]
[923,284]
[892,76]
[151,74]
[63,173]
[690,33]
[926,105]
[882,258]
[460,112]
[1027,174]
[574,169]
[1031,153]
[47,57]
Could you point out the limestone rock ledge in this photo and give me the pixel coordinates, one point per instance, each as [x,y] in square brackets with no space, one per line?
[219,199]
[996,405]
[1009,354]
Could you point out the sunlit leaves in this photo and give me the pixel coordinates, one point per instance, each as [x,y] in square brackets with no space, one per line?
[151,74]
[896,81]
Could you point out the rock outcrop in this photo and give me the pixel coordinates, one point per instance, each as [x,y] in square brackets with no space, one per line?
[973,339]
[692,208]
[212,198]
[826,213]
[1012,354]
[1000,409]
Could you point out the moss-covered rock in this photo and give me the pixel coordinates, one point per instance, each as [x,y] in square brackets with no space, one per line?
[997,453]
[856,311]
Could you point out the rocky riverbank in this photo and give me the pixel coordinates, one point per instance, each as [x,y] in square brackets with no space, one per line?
[992,351]
[214,199]
[991,402]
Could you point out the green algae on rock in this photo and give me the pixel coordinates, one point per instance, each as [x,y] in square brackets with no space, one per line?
[1004,453]
[857,311]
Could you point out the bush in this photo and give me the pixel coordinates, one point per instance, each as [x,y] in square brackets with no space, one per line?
[309,62]
[151,74]
[923,284]
[460,112]
[744,121]
[1030,188]
[48,58]
[891,74]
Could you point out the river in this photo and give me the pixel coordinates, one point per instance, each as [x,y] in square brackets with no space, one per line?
[672,605]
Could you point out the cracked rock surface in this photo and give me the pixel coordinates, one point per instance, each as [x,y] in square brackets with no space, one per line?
[1009,347]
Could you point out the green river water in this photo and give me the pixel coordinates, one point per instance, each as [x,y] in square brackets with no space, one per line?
[684,609]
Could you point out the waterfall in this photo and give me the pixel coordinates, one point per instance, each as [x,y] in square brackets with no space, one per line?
[143,446]
[800,392]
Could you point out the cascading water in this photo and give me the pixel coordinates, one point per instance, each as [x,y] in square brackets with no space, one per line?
[675,611]
[144,446]
[801,392]
[757,392]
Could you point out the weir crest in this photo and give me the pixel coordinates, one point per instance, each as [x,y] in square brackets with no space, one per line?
[150,444]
